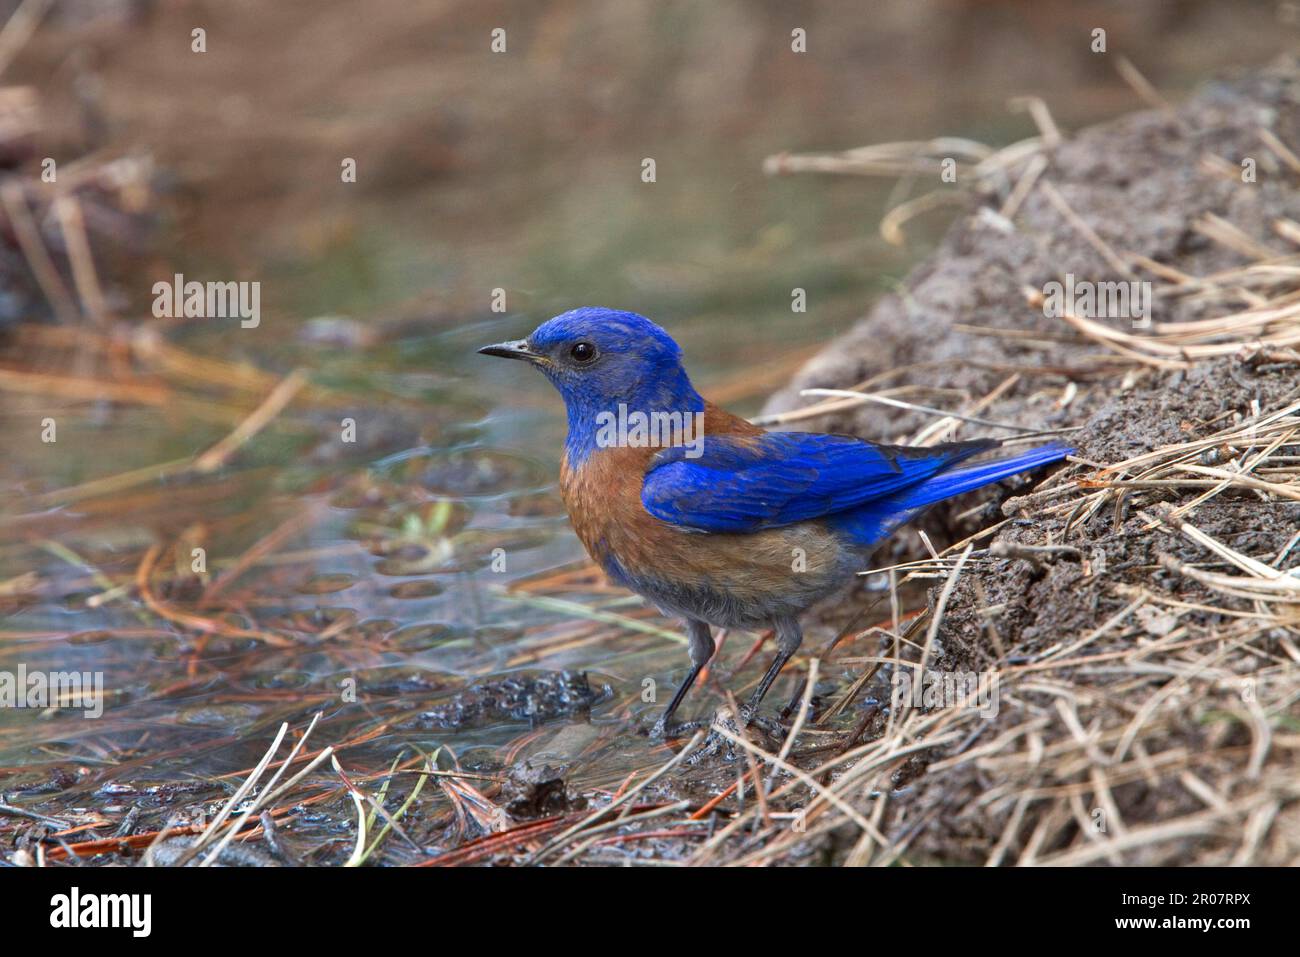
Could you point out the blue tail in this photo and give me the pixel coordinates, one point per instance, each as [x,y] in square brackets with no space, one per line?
[874,521]
[958,480]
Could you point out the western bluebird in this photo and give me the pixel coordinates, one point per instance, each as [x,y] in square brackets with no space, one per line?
[711,518]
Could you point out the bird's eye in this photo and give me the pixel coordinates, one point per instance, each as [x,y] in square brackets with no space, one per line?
[583,352]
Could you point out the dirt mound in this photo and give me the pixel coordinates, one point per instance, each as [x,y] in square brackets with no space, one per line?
[1147,184]
[1133,613]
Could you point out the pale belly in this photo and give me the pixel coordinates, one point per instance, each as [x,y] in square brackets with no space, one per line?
[727,580]
[730,581]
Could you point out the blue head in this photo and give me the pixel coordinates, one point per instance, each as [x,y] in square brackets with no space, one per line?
[600,359]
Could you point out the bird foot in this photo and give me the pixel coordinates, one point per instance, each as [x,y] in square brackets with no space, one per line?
[664,731]
[718,744]
[772,727]
[714,745]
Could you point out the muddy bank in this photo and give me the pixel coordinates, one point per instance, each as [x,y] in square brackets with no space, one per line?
[1146,185]
[1140,683]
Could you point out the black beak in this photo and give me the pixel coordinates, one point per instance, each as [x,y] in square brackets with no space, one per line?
[515,349]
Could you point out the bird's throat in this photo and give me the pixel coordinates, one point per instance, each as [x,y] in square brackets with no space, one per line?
[651,418]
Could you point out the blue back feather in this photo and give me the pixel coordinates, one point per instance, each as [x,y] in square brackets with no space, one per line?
[744,484]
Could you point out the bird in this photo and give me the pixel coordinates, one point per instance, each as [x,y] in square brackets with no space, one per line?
[711,518]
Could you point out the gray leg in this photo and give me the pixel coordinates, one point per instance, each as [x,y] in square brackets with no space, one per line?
[789,636]
[700,645]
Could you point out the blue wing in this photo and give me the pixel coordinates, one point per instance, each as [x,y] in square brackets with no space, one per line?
[748,483]
[869,523]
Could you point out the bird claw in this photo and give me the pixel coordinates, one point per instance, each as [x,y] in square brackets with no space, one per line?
[662,731]
[771,728]
[715,743]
